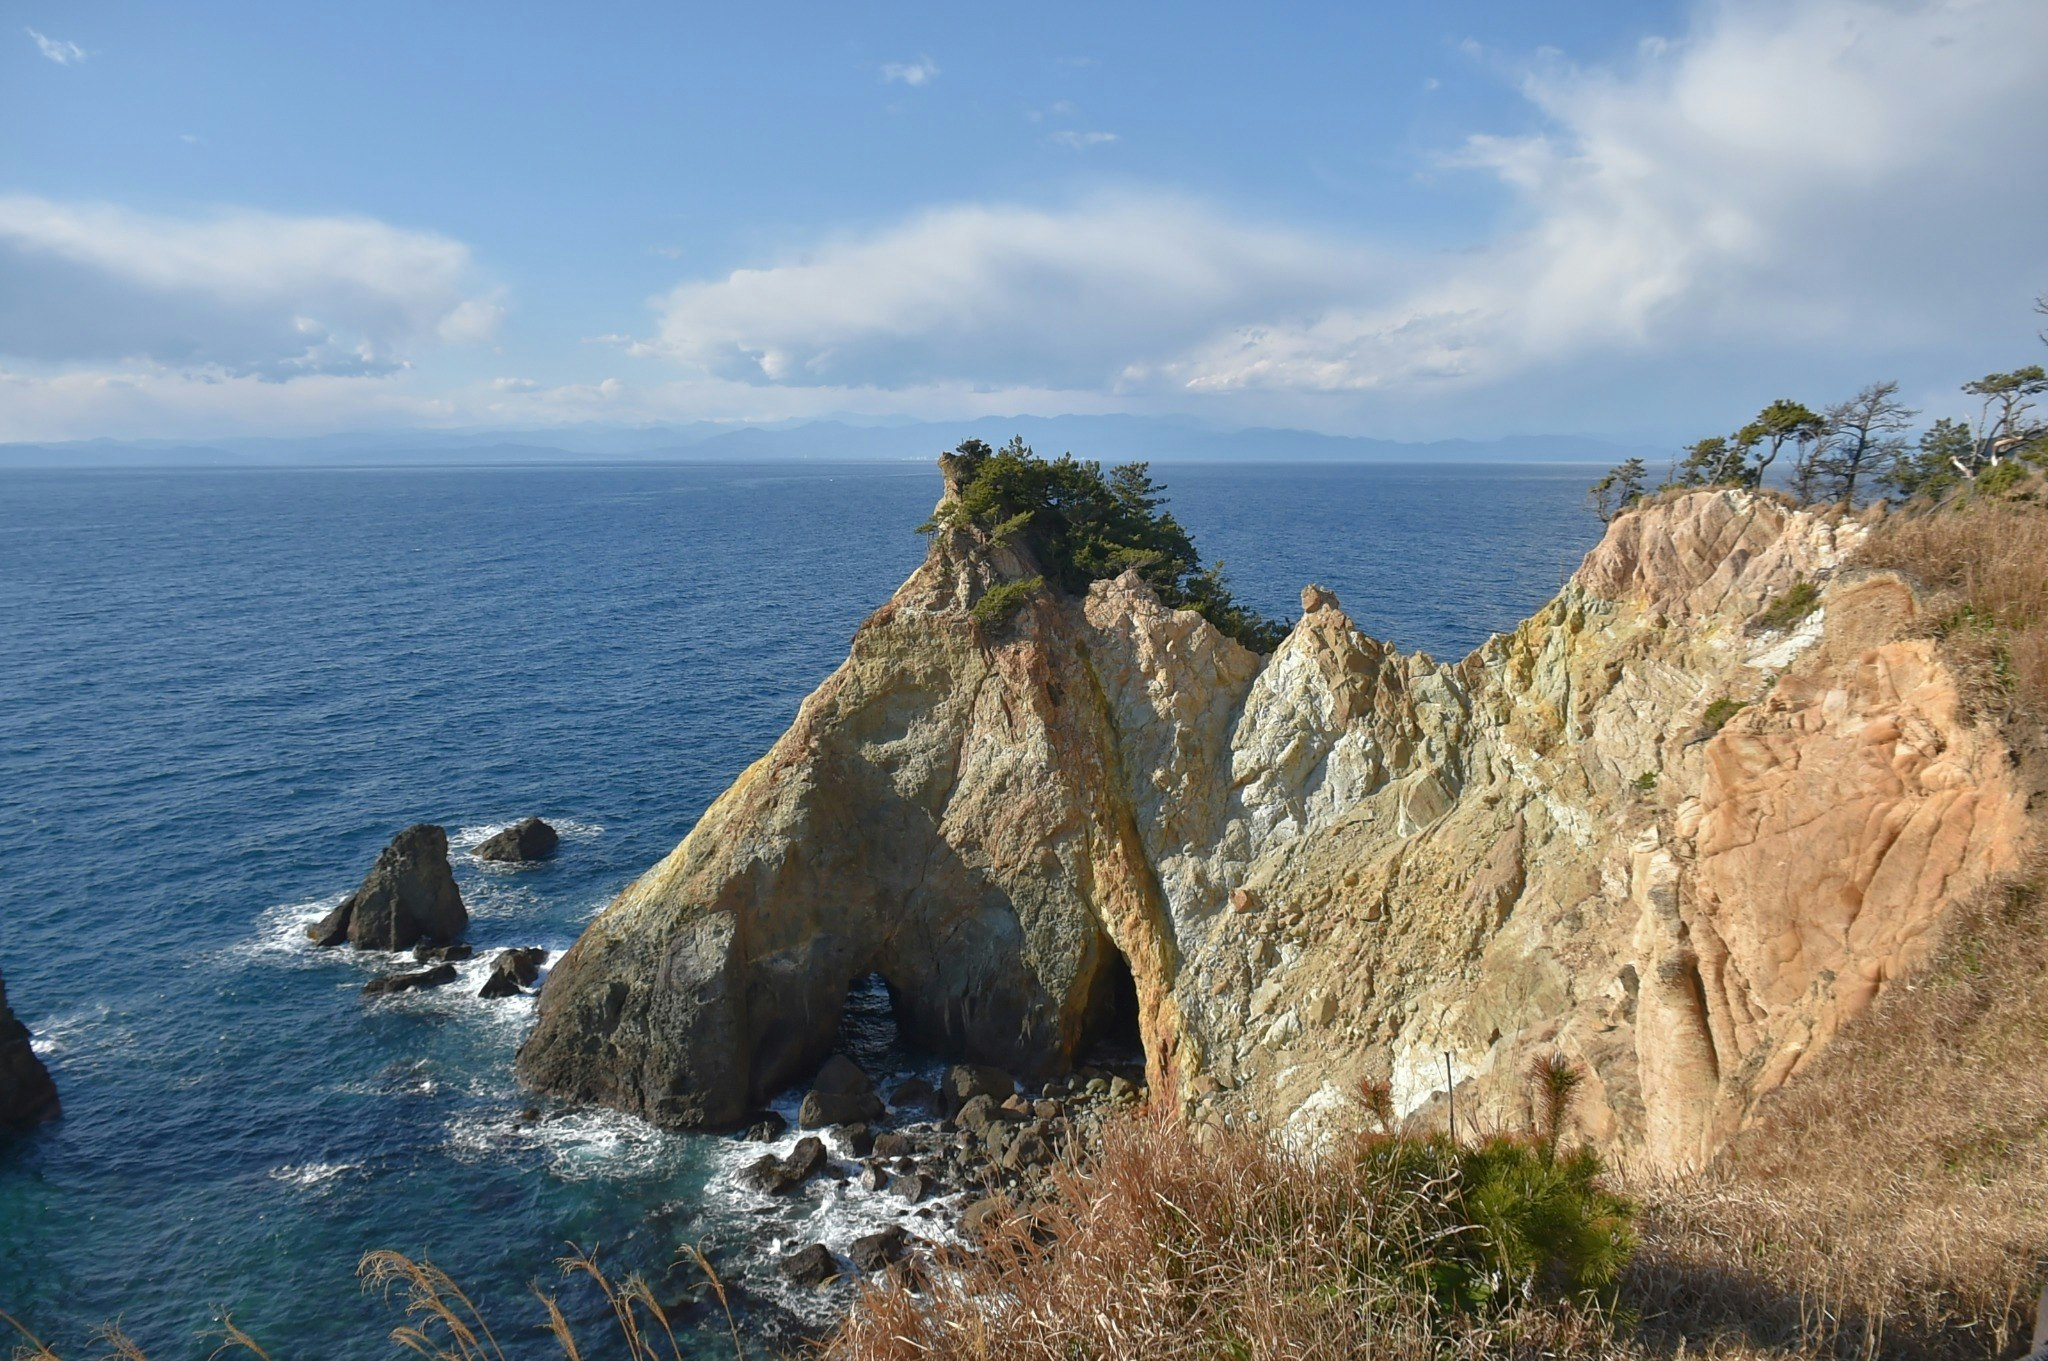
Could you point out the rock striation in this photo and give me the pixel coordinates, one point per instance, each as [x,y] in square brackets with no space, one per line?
[1334,869]
[408,897]
[27,1095]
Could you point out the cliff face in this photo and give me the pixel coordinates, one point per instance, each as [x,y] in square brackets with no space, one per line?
[1333,865]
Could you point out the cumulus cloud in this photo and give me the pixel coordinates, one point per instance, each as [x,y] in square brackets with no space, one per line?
[239,293]
[913,73]
[57,49]
[1816,172]
[1081,141]
[1000,294]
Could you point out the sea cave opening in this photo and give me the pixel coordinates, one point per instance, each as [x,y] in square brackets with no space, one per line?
[1111,1037]
[868,1030]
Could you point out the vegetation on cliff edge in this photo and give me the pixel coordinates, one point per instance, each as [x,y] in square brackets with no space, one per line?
[1085,525]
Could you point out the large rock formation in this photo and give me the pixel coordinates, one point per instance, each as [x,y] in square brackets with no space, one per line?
[27,1096]
[409,896]
[1330,867]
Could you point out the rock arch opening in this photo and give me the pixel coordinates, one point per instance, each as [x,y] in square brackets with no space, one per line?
[1111,1036]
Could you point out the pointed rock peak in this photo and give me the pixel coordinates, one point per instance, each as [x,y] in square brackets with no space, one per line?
[1314,598]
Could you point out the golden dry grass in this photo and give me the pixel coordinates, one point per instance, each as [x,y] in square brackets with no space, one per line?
[1893,1198]
[1986,562]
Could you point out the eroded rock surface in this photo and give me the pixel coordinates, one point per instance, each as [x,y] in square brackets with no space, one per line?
[408,897]
[1334,866]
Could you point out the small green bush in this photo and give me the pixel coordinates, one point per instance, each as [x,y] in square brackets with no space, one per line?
[1716,715]
[1802,599]
[1646,782]
[999,602]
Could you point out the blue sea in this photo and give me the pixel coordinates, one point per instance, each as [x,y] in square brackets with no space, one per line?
[221,692]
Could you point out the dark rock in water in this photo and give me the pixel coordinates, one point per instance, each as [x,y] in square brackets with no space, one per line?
[912,1186]
[894,1144]
[914,1092]
[875,1251]
[439,976]
[860,1139]
[513,970]
[825,1108]
[965,1081]
[766,1128]
[408,896]
[780,1176]
[813,1265]
[521,842]
[841,1076]
[874,1177]
[27,1096]
[979,1114]
[443,954]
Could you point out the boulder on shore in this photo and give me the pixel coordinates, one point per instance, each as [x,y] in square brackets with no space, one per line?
[514,970]
[27,1095]
[408,896]
[523,841]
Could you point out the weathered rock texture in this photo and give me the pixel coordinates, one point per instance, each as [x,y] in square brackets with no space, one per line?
[409,896]
[1334,865]
[27,1096]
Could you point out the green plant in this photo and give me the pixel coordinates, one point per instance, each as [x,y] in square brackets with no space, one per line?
[1716,715]
[1084,525]
[1799,600]
[1002,600]
[1646,782]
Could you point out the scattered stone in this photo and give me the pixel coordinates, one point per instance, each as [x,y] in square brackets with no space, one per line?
[874,1177]
[520,843]
[1047,1110]
[1017,1105]
[814,1265]
[27,1095]
[530,1115]
[1029,1149]
[914,1092]
[912,1186]
[984,1216]
[965,1081]
[514,970]
[860,1139]
[841,1076]
[877,1251]
[827,1108]
[766,1128]
[408,896]
[1120,1090]
[780,1176]
[439,976]
[442,954]
[894,1144]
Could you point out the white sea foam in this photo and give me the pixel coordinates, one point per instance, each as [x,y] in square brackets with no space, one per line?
[469,836]
[309,1175]
[581,1145]
[280,935]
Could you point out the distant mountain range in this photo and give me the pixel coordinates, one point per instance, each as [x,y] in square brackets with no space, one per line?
[1108,438]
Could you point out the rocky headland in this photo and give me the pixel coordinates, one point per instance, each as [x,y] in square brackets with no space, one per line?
[1678,827]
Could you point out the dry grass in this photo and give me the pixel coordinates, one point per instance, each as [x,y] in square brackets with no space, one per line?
[1986,560]
[1893,1200]
[1171,1246]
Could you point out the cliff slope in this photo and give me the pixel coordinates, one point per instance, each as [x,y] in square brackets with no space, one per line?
[1334,866]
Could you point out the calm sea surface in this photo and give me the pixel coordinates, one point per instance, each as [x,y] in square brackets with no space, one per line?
[222,692]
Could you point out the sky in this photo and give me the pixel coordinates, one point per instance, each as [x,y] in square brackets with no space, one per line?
[1461,219]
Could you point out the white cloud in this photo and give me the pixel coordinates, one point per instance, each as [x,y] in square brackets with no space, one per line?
[57,49]
[515,385]
[912,73]
[1823,172]
[1001,295]
[1081,141]
[234,292]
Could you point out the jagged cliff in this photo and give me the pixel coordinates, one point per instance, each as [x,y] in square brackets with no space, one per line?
[1334,864]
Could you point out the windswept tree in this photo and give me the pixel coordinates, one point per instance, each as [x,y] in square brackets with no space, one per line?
[1782,422]
[1936,466]
[1621,488]
[1710,462]
[1865,437]
[2005,399]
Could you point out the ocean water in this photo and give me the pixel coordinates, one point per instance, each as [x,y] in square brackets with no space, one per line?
[222,691]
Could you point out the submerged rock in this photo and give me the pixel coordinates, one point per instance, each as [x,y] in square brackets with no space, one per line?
[437,977]
[520,843]
[408,896]
[814,1265]
[27,1095]
[780,1176]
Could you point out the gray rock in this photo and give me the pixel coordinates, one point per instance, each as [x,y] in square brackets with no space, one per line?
[894,1144]
[780,1176]
[841,1076]
[914,1092]
[912,1186]
[767,1127]
[524,841]
[437,977]
[859,1139]
[442,954]
[27,1095]
[877,1251]
[965,1081]
[824,1108]
[874,1177]
[408,896]
[813,1265]
[984,1216]
[513,971]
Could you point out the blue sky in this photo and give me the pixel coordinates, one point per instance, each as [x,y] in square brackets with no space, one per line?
[1410,220]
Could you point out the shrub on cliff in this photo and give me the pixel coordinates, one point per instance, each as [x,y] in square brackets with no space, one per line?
[1085,525]
[1169,1245]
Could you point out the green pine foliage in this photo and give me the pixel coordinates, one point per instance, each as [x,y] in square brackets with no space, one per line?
[1086,525]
